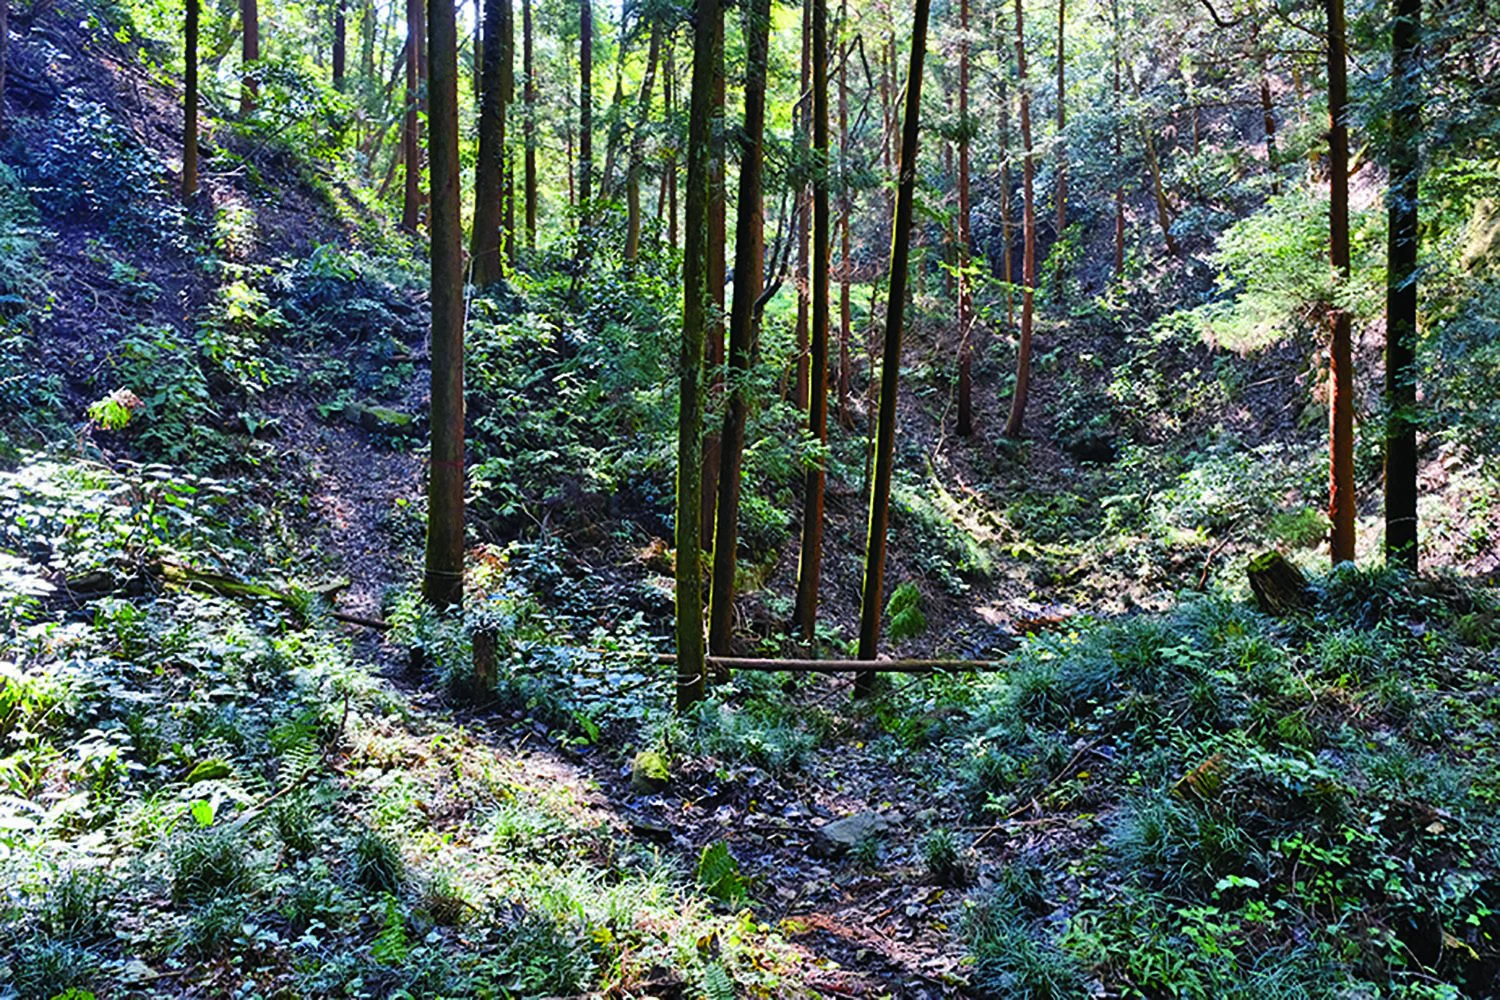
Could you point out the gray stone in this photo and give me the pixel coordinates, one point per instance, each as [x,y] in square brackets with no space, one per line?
[841,835]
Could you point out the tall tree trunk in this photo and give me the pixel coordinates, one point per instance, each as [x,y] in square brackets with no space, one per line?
[872,596]
[444,583]
[249,89]
[691,665]
[1114,11]
[4,55]
[846,210]
[1061,193]
[617,103]
[749,248]
[1341,392]
[1401,288]
[810,567]
[529,124]
[669,169]
[585,116]
[802,112]
[189,101]
[637,148]
[338,45]
[485,246]
[1017,416]
[411,148]
[1159,192]
[1007,265]
[367,27]
[716,238]
[507,159]
[965,301]
[478,46]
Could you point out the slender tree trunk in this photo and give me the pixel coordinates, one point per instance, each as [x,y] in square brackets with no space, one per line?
[1114,10]
[411,150]
[1341,394]
[716,240]
[846,211]
[485,246]
[249,89]
[338,45]
[873,594]
[367,41]
[1062,146]
[1014,422]
[1159,193]
[965,301]
[810,566]
[507,159]
[691,665]
[802,113]
[189,101]
[4,55]
[1401,288]
[444,584]
[585,116]
[478,46]
[617,103]
[637,148]
[1007,265]
[669,170]
[749,247]
[529,124]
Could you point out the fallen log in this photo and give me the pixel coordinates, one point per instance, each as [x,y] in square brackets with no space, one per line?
[228,586]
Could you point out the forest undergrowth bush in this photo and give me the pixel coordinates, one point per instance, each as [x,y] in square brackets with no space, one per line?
[1304,804]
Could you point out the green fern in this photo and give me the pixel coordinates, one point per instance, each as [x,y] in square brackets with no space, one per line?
[717,984]
[391,946]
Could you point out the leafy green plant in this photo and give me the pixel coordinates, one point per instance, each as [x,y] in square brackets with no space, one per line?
[719,874]
[904,613]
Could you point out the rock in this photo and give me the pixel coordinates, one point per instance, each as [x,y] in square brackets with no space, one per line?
[649,772]
[378,418]
[841,835]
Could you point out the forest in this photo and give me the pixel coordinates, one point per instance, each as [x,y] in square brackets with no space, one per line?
[680,498]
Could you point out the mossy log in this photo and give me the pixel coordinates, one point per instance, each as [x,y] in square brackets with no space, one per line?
[1280,588]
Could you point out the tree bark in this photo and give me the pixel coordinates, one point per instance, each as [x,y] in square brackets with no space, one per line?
[749,247]
[695,321]
[810,566]
[249,88]
[1114,10]
[1061,193]
[1279,587]
[529,125]
[714,347]
[411,149]
[338,45]
[1015,421]
[1007,265]
[802,114]
[637,148]
[1341,391]
[585,116]
[965,299]
[444,583]
[1401,288]
[846,211]
[890,376]
[507,159]
[669,169]
[189,101]
[485,246]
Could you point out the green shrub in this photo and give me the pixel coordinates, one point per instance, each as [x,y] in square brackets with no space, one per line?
[209,864]
[378,865]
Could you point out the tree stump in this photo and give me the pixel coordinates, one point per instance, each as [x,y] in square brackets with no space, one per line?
[1280,588]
